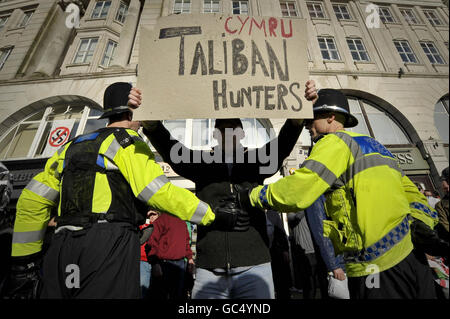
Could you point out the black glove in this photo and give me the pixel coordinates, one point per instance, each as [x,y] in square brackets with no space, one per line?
[427,239]
[243,198]
[24,280]
[229,217]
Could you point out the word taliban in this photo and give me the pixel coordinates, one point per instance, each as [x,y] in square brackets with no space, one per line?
[268,97]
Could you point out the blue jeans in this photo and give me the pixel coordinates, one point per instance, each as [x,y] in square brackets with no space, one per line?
[146,271]
[253,283]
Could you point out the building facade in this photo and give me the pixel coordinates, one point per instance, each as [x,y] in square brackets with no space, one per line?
[389,57]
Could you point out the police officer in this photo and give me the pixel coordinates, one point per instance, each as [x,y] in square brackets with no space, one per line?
[102,184]
[368,198]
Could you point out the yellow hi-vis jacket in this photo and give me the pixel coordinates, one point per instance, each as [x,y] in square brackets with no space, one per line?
[136,163]
[368,199]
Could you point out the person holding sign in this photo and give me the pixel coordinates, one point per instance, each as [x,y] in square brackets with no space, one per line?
[369,199]
[102,184]
[230,264]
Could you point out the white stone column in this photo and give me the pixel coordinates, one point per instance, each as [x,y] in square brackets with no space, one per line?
[127,35]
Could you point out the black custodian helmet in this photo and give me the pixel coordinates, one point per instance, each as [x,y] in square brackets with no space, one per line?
[115,99]
[331,100]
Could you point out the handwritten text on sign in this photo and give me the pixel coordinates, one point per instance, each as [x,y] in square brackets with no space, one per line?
[212,66]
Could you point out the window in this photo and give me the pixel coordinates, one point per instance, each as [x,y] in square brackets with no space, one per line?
[28,138]
[376,123]
[4,54]
[182,6]
[432,17]
[386,15]
[288,9]
[3,20]
[441,119]
[357,50]
[405,52]
[409,16]
[26,18]
[109,53]
[211,6]
[341,12]
[315,10]
[101,9]
[372,121]
[328,48]
[240,7]
[198,133]
[432,53]
[85,50]
[122,12]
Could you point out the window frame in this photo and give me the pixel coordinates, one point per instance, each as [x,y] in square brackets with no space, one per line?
[41,126]
[88,49]
[211,6]
[432,20]
[110,58]
[4,57]
[99,17]
[240,6]
[432,56]
[183,2]
[287,2]
[340,6]
[27,14]
[367,123]
[314,4]
[405,12]
[122,13]
[357,50]
[383,15]
[5,21]
[402,42]
[325,38]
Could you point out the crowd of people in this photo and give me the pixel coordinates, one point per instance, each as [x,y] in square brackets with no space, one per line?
[121,229]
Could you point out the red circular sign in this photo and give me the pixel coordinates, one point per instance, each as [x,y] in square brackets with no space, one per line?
[59,136]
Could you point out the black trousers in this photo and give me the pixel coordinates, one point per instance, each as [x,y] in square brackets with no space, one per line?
[94,263]
[410,279]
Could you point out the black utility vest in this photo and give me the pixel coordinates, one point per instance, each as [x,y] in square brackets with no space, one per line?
[82,162]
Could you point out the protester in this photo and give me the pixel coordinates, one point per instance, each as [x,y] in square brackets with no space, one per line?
[279,252]
[225,266]
[328,262]
[146,267]
[432,200]
[169,246]
[369,200]
[311,268]
[110,177]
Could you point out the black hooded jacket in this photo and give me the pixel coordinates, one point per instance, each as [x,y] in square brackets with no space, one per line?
[215,181]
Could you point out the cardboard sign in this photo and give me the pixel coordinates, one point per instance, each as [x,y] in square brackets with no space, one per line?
[59,135]
[214,66]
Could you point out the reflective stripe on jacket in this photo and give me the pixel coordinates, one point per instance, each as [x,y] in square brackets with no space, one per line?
[367,196]
[137,165]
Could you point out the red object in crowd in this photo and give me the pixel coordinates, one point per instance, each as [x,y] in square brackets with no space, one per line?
[143,252]
[170,238]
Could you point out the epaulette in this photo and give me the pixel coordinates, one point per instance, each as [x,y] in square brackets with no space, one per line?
[123,138]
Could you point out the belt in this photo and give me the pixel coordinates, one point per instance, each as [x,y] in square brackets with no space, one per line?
[380,247]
